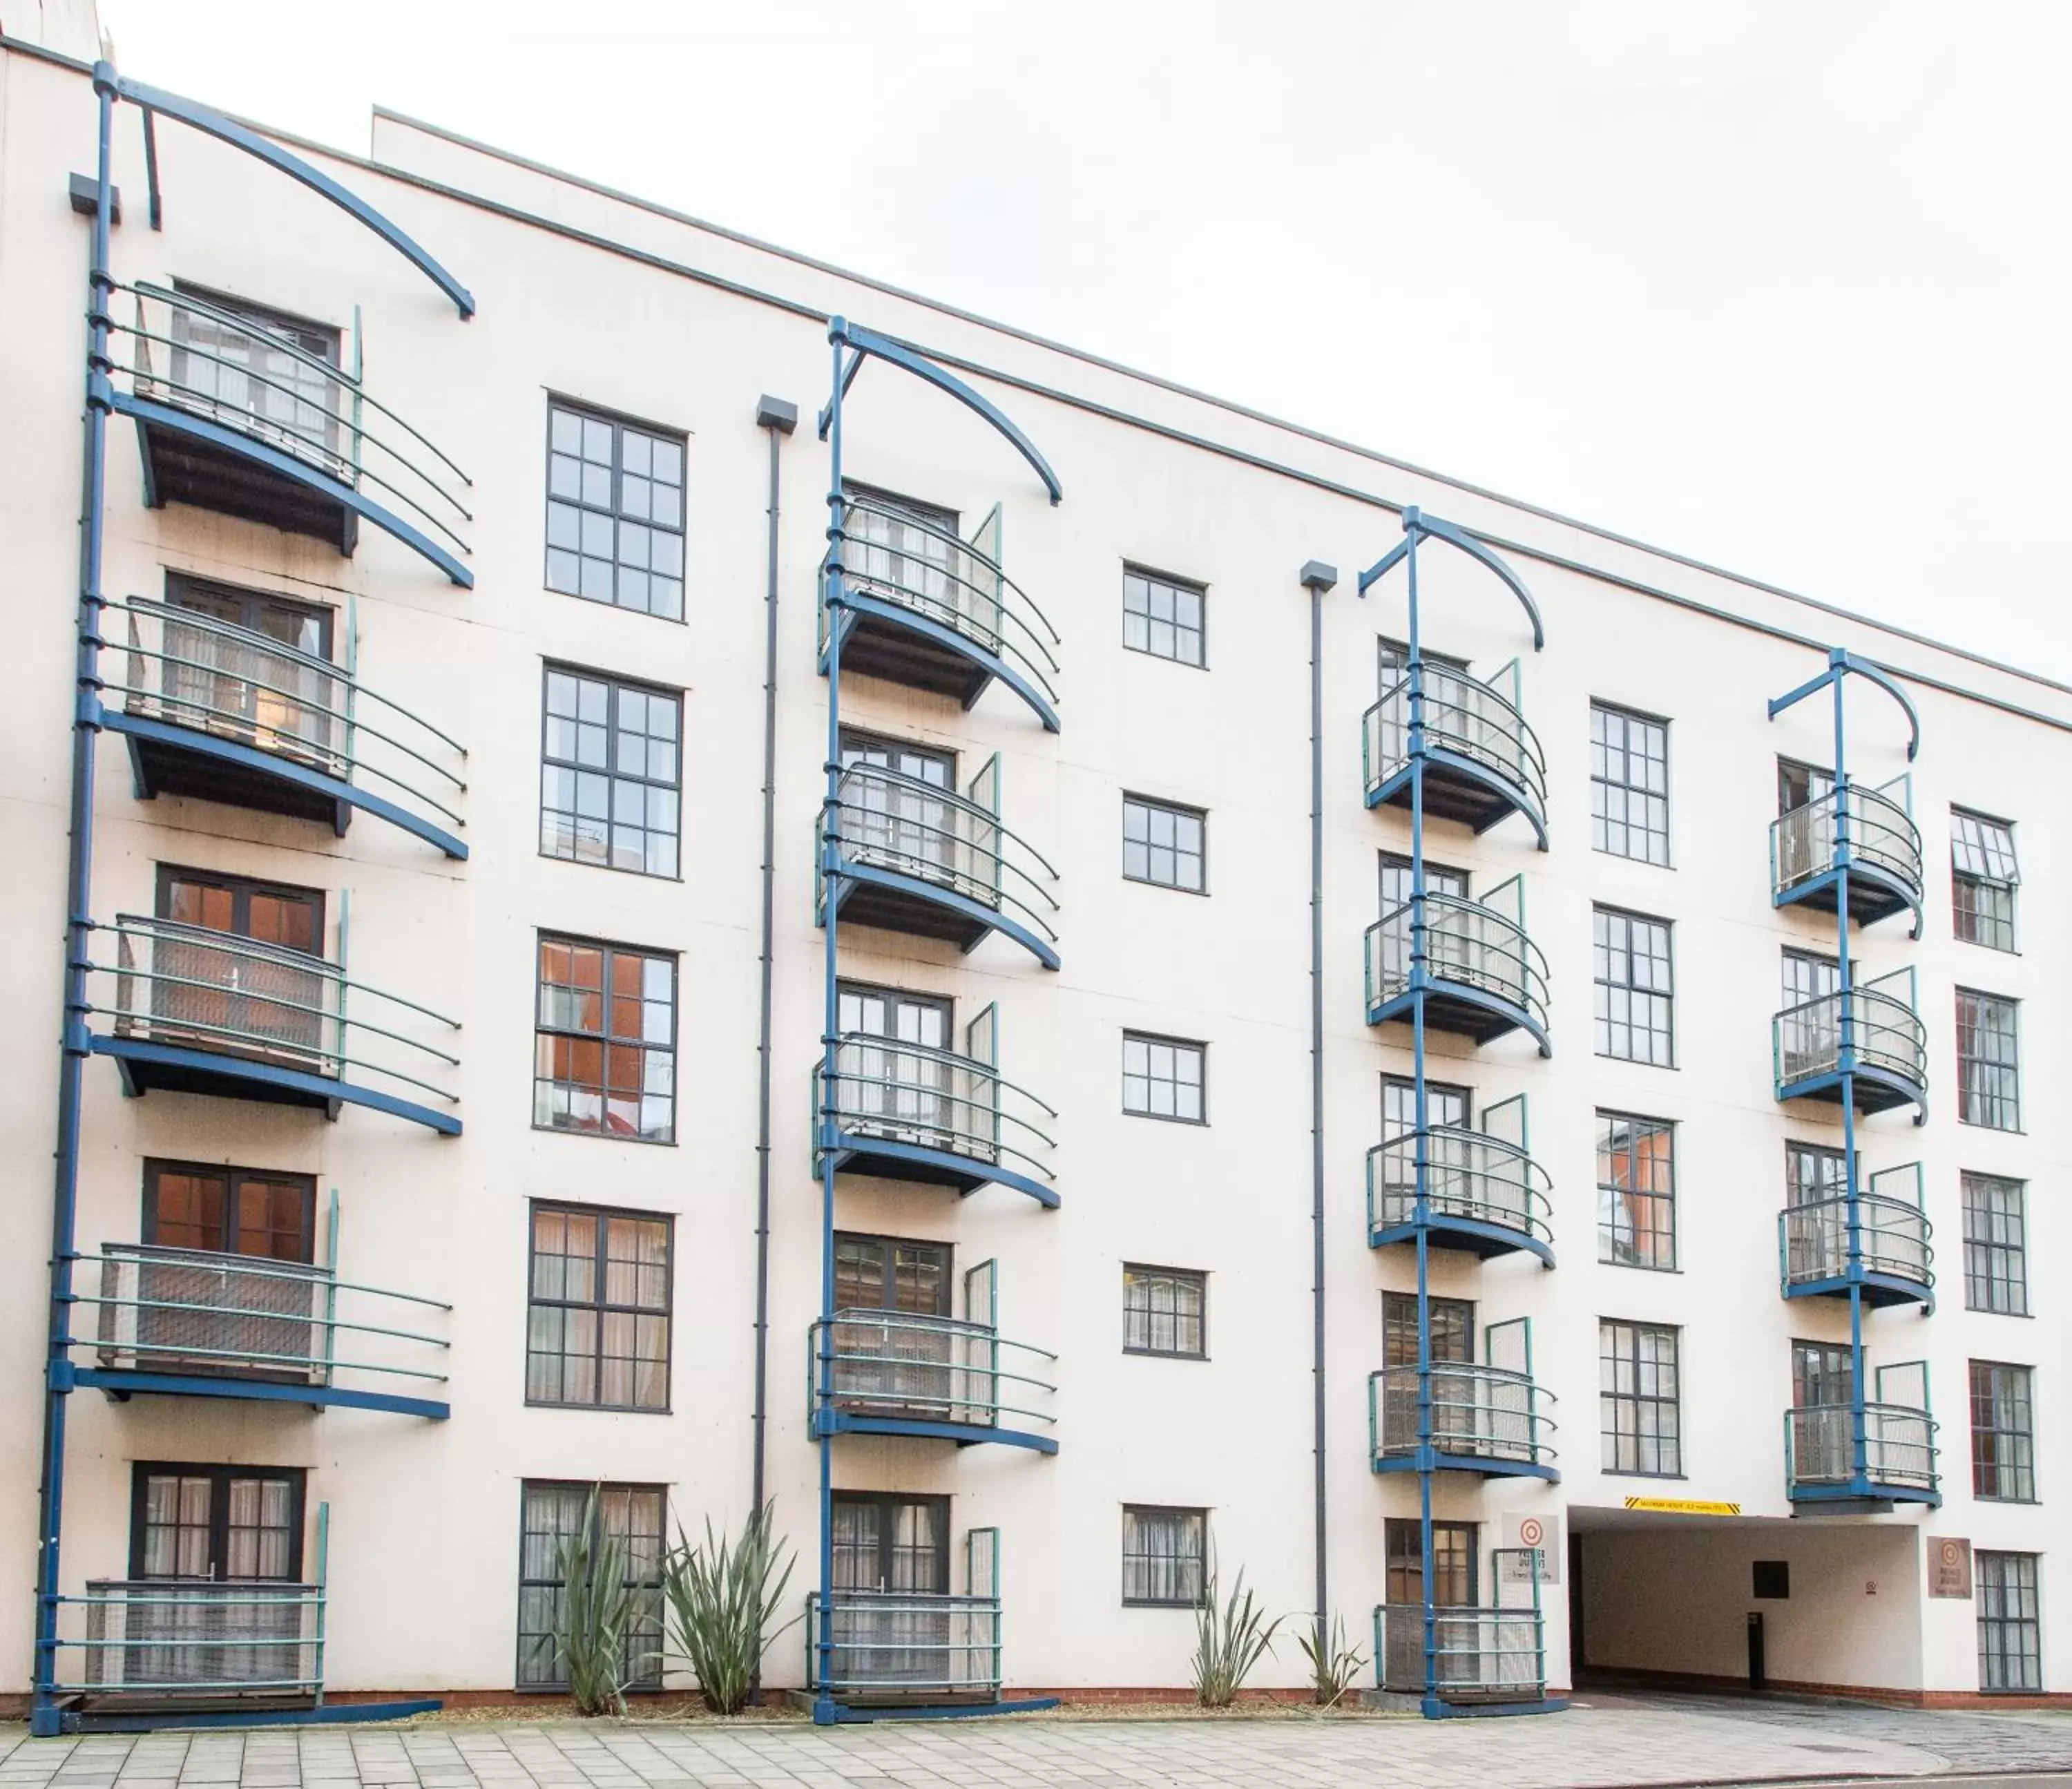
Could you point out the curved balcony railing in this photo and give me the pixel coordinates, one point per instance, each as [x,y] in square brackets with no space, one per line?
[896,1373]
[1899,1450]
[1892,1242]
[259,702]
[1880,835]
[955,593]
[892,1645]
[234,1326]
[907,1111]
[201,1010]
[213,1641]
[1468,721]
[1478,1655]
[225,381]
[1468,947]
[1885,1039]
[1491,1419]
[1472,1179]
[948,849]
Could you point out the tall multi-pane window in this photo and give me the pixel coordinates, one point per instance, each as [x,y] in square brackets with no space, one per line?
[614,512]
[610,773]
[1164,1310]
[1165,1078]
[2010,1622]
[604,1041]
[1636,1190]
[1629,784]
[598,1309]
[2003,1433]
[1988,1062]
[1162,616]
[1639,1416]
[1164,843]
[1995,1244]
[554,1514]
[1164,1554]
[1635,991]
[1983,873]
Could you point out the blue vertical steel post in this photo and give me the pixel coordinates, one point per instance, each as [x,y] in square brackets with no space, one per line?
[1322,1592]
[1846,1043]
[79,924]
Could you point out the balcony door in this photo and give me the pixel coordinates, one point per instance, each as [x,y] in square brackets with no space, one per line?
[896,1080]
[261,372]
[276,700]
[1456,1549]
[1799,784]
[1450,1186]
[900,1363]
[256,1002]
[1445,941]
[1816,1187]
[893,1550]
[204,1541]
[899,825]
[906,550]
[1452,1342]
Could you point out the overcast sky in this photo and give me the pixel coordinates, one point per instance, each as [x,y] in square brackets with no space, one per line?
[1782,286]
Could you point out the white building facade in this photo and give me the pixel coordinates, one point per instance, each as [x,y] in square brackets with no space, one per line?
[457,1106]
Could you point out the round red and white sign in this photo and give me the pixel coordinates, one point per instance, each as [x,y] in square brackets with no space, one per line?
[1531,1532]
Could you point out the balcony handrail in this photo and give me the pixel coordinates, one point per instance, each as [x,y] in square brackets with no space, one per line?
[941,865]
[324,459]
[1879,1015]
[118,1596]
[1877,810]
[1481,1625]
[827,1388]
[1824,1223]
[1883,1453]
[1528,769]
[1528,1209]
[267,1267]
[1511,946]
[300,703]
[1483,1441]
[978,1642]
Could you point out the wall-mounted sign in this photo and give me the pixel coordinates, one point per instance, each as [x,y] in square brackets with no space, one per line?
[1949,1567]
[1682,1506]
[1540,1535]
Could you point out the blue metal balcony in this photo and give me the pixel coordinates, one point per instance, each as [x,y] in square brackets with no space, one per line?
[1898,1456]
[1490,1421]
[1482,1658]
[232,416]
[1870,835]
[1481,976]
[914,858]
[1889,1257]
[223,713]
[923,608]
[907,1112]
[1483,1194]
[195,1011]
[193,1322]
[1872,1051]
[892,1649]
[887,1373]
[1483,761]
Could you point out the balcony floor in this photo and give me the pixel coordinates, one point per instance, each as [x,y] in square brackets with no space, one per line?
[1460,1010]
[1875,894]
[1474,1236]
[924,1427]
[1482,1465]
[869,894]
[1881,1291]
[916,1159]
[1459,789]
[149,1064]
[122,1383]
[1871,1091]
[182,466]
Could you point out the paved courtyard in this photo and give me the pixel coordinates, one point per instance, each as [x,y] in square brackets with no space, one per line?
[1604,1740]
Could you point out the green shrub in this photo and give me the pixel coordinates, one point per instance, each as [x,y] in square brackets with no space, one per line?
[1229,1640]
[599,1608]
[721,1601]
[1334,1666]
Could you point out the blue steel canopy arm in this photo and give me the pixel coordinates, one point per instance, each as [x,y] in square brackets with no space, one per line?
[1416,522]
[154,101]
[869,342]
[1841,661]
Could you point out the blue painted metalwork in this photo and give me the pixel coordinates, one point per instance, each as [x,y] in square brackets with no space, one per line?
[1865,1049]
[828,1713]
[1894,1262]
[888,1372]
[327,1714]
[47,1715]
[1469,969]
[1484,1192]
[847,1130]
[1492,1660]
[1457,1416]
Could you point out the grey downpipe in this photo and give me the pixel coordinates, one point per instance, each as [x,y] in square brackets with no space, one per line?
[1317,578]
[779,419]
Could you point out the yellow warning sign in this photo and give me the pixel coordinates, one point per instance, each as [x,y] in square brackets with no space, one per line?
[1682,1506]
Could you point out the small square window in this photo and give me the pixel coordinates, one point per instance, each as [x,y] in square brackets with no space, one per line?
[1164,1310]
[1164,1554]
[1163,616]
[1165,845]
[1165,1078]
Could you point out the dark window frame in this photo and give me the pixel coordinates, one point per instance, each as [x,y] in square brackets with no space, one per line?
[542,937]
[1604,1029]
[1970,1100]
[1179,810]
[615,687]
[1197,1516]
[892,1244]
[1601,821]
[1200,1049]
[1634,1194]
[1144,575]
[656,434]
[1136,1272]
[1985,1254]
[1993,1567]
[1629,1354]
[888,1501]
[600,1265]
[240,889]
[2002,1454]
[1970,921]
[219,1475]
[645,1685]
[156,1167]
[181,586]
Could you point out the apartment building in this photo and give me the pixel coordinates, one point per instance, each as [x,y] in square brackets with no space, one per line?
[655,865]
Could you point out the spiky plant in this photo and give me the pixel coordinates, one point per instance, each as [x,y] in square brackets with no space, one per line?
[1334,1665]
[593,1635]
[722,1599]
[1230,1637]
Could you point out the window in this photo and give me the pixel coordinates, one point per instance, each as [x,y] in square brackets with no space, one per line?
[1392,665]
[1808,976]
[1988,1077]
[1814,1174]
[261,371]
[1636,1190]
[230,1211]
[1164,843]
[1635,999]
[1162,616]
[1164,1310]
[2003,1433]
[1629,785]
[605,1041]
[277,700]
[1452,1331]
[228,1524]
[1165,1078]
[1164,1555]
[1800,784]
[1636,1384]
[598,1313]
[1982,874]
[889,1540]
[614,512]
[1453,1560]
[610,773]
[232,996]
[633,1516]
[892,1273]
[2010,1626]
[1995,1245]
[1824,1375]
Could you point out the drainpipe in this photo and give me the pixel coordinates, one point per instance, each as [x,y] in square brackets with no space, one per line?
[43,1719]
[778,418]
[1317,578]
